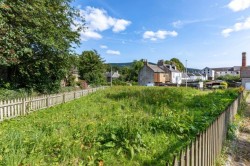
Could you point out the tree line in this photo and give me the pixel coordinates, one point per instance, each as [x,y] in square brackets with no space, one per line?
[36,40]
[36,47]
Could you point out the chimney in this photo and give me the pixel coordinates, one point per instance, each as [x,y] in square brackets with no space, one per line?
[145,62]
[160,63]
[244,59]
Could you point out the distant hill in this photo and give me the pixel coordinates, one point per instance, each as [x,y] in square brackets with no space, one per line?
[128,64]
[192,70]
[121,64]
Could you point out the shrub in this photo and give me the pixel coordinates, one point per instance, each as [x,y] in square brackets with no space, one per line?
[82,84]
[223,85]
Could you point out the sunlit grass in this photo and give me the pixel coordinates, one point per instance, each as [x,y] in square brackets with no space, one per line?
[120,126]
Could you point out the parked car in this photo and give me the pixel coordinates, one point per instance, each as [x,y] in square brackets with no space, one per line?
[150,84]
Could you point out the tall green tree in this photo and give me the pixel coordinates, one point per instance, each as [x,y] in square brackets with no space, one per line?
[177,63]
[36,37]
[134,70]
[92,68]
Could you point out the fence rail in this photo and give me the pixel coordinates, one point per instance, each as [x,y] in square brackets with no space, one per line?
[205,149]
[18,107]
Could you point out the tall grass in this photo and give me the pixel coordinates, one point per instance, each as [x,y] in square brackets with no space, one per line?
[117,126]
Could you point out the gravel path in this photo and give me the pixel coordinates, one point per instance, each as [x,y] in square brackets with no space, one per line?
[240,151]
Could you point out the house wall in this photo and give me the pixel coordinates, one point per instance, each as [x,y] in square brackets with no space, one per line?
[209,72]
[176,77]
[223,73]
[146,75]
[159,77]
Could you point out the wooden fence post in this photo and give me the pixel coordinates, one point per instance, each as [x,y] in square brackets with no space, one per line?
[192,153]
[24,106]
[187,158]
[47,101]
[182,158]
[64,98]
[175,162]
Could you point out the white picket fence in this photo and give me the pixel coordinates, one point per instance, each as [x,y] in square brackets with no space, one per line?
[19,107]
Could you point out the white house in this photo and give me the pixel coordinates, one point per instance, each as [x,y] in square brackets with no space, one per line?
[158,74]
[234,71]
[175,75]
[190,77]
[209,72]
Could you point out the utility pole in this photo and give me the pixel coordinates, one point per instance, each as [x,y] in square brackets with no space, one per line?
[186,74]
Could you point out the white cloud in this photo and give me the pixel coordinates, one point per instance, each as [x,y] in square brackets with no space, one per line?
[120,25]
[237,27]
[98,20]
[226,32]
[113,52]
[89,34]
[181,23]
[238,5]
[160,34]
[103,46]
[177,24]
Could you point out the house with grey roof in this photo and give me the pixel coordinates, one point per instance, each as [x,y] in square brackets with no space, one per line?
[209,72]
[174,74]
[114,75]
[157,74]
[222,71]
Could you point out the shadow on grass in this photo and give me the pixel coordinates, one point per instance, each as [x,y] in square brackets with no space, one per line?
[168,155]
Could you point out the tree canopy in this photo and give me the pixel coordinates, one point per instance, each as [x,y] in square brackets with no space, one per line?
[36,38]
[91,67]
[177,63]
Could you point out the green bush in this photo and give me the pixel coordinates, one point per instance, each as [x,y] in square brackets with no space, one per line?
[223,85]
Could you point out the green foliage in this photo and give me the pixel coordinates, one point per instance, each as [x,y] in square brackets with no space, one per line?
[6,94]
[72,81]
[119,126]
[118,82]
[223,85]
[82,84]
[176,62]
[91,67]
[35,41]
[229,78]
[136,67]
[128,73]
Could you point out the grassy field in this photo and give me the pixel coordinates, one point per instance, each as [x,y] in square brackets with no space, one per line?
[116,126]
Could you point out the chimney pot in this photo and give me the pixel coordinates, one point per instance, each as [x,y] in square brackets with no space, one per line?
[160,62]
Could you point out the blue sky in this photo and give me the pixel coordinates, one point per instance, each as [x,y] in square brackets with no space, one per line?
[210,33]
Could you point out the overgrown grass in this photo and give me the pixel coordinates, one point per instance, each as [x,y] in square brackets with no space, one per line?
[119,126]
[9,94]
